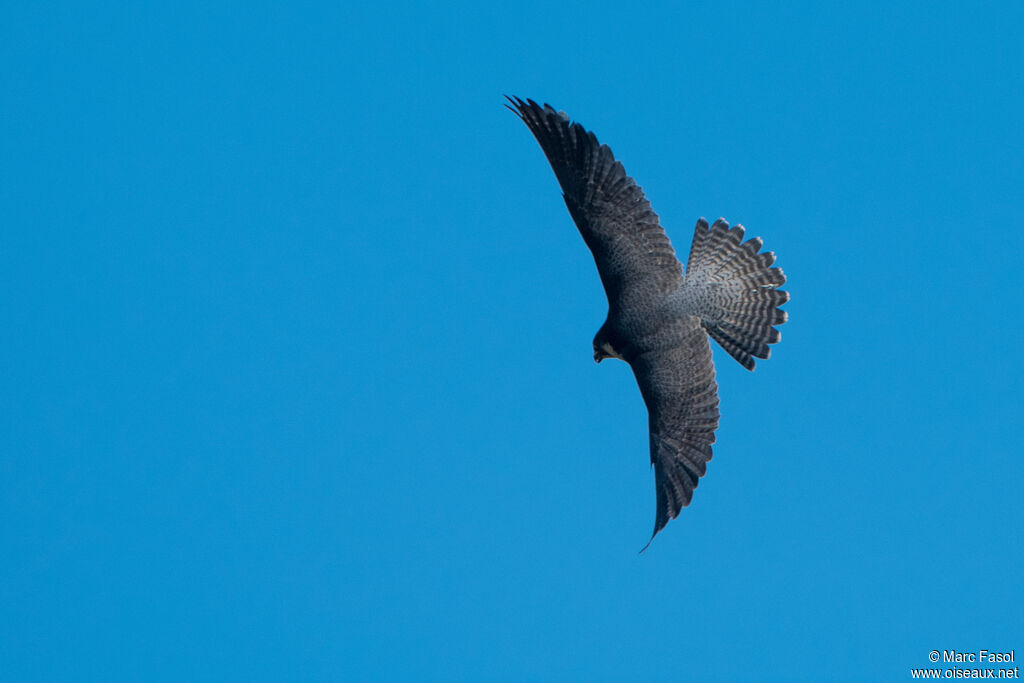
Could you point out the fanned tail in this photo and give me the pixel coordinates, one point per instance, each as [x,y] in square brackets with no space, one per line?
[735,290]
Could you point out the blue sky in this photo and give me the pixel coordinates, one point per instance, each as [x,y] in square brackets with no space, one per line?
[297,381]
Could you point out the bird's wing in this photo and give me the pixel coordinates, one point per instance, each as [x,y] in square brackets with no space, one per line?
[678,386]
[633,254]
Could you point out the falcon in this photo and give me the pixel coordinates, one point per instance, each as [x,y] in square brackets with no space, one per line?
[659,319]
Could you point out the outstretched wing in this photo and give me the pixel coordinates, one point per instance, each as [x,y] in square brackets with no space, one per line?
[633,254]
[678,386]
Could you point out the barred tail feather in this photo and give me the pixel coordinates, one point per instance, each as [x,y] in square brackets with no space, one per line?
[734,289]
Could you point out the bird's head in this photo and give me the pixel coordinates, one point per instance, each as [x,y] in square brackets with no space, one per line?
[603,347]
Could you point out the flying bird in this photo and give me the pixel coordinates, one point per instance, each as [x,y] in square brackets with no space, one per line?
[659,319]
